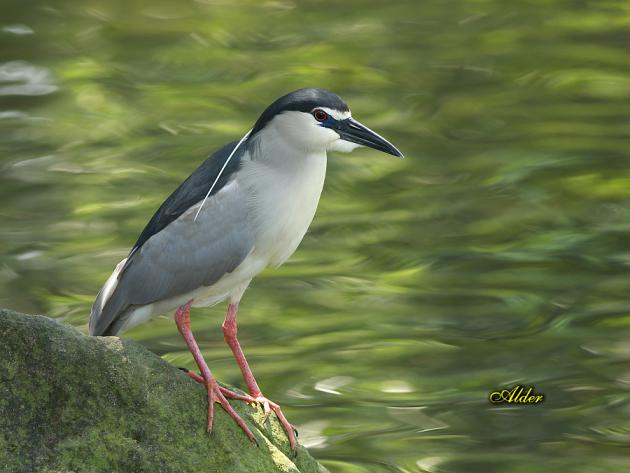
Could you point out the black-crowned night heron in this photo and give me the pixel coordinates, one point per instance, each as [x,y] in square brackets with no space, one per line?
[246,207]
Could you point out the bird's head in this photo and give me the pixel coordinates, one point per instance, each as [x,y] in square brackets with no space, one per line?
[319,119]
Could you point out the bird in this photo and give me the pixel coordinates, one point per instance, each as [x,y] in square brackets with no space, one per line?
[245,208]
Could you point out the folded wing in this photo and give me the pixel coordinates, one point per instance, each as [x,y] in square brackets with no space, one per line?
[177,253]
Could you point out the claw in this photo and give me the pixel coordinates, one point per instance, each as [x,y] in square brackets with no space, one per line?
[266,408]
[215,394]
[270,406]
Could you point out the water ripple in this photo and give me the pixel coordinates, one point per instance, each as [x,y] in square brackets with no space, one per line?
[23,78]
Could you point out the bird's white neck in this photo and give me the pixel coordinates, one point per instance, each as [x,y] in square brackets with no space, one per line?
[283,185]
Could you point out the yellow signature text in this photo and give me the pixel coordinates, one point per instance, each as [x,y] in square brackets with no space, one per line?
[516,395]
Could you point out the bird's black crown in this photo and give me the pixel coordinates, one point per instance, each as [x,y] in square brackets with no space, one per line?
[302,100]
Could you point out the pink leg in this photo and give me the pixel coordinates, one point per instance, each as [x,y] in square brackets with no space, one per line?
[229,334]
[182,319]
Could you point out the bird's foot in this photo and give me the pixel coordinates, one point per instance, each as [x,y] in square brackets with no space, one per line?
[215,394]
[225,391]
[269,407]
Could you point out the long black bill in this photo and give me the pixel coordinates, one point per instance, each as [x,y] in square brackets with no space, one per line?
[352,130]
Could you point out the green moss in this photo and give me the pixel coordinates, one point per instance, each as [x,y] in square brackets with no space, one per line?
[71,403]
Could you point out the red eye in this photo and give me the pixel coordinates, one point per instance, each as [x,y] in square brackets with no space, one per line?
[320,115]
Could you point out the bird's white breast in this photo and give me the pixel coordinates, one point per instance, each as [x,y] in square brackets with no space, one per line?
[283,194]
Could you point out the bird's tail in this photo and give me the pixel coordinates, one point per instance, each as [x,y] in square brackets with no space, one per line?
[106,307]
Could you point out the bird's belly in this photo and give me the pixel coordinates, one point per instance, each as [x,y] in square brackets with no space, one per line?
[231,285]
[283,207]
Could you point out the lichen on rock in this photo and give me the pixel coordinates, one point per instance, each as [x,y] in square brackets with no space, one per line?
[73,403]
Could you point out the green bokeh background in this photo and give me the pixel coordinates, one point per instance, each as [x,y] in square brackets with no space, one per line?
[497,253]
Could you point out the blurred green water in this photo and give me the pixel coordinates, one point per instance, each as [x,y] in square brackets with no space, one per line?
[496,254]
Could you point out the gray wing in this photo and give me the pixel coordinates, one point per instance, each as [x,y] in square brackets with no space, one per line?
[184,255]
[193,189]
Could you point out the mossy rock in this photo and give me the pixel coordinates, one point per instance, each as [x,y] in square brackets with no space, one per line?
[73,403]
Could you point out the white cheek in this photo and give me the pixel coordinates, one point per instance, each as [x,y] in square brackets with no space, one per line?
[342,146]
[303,131]
[326,135]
